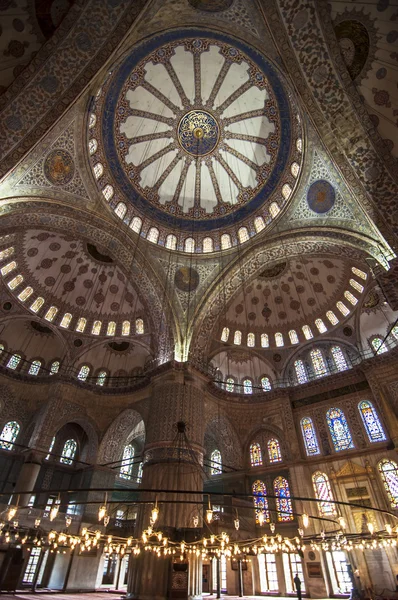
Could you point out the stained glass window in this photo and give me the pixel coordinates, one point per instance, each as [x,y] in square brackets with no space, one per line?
[126,467]
[121,210]
[274,210]
[35,367]
[83,373]
[208,244]
[14,283]
[81,324]
[274,451]
[389,474]
[101,378]
[14,361]
[283,503]
[50,448]
[68,452]
[108,192]
[286,191]
[320,325]
[225,241]
[371,421]
[6,253]
[9,435]
[256,459]
[264,340]
[111,329]
[293,337]
[251,340]
[153,235]
[323,493]
[225,334]
[140,471]
[350,297]
[339,430]
[260,501]
[394,331]
[216,464]
[357,286]
[25,294]
[98,170]
[139,326]
[96,329]
[126,328]
[247,386]
[230,385]
[318,362]
[189,245]
[332,317]
[279,339]
[54,367]
[339,358]
[342,308]
[92,146]
[50,314]
[8,268]
[359,273]
[243,234]
[295,169]
[299,144]
[171,242]
[92,121]
[309,436]
[136,224]
[265,384]
[301,372]
[259,224]
[237,337]
[379,346]
[66,319]
[307,332]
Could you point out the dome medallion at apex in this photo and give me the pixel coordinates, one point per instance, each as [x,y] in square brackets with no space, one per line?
[196,134]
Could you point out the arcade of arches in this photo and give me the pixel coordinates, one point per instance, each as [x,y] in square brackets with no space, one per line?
[199,297]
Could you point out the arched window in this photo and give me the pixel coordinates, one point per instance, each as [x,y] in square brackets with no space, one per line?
[389,475]
[96,329]
[37,304]
[35,367]
[8,268]
[237,337]
[259,224]
[339,358]
[111,329]
[54,367]
[256,459]
[320,325]
[126,328]
[339,430]
[68,452]
[208,244]
[293,337]
[14,283]
[108,192]
[357,286]
[25,294]
[136,224]
[126,467]
[274,210]
[318,362]
[307,332]
[14,361]
[295,169]
[121,210]
[139,326]
[378,345]
[247,386]
[265,384]
[153,235]
[371,421]
[81,324]
[98,170]
[83,373]
[171,242]
[251,340]
[350,297]
[92,146]
[230,384]
[225,241]
[286,191]
[274,451]
[394,331]
[279,339]
[101,378]
[50,314]
[342,308]
[283,503]
[216,463]
[6,253]
[189,245]
[309,436]
[260,501]
[243,235]
[65,321]
[9,435]
[359,273]
[332,317]
[225,334]
[324,495]
[264,340]
[301,372]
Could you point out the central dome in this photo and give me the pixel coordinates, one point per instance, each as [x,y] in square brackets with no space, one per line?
[195,127]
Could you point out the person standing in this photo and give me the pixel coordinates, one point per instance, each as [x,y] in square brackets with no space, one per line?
[297,583]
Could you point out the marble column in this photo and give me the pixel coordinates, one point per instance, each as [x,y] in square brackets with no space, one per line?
[173,458]
[195,575]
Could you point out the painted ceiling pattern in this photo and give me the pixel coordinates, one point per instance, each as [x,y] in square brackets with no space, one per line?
[198,129]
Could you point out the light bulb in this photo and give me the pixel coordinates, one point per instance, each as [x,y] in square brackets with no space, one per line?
[388,528]
[68,521]
[195,521]
[342,522]
[106,520]
[237,524]
[272,527]
[260,518]
[101,512]
[54,511]
[371,528]
[154,514]
[12,511]
[209,515]
[306,520]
